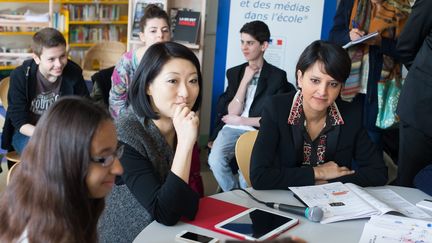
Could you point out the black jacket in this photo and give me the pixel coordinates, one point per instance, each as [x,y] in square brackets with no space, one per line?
[22,91]
[277,156]
[415,50]
[272,81]
[102,85]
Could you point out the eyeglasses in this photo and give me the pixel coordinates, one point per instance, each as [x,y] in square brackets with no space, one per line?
[109,160]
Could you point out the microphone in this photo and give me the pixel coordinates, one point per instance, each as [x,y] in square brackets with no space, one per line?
[314,214]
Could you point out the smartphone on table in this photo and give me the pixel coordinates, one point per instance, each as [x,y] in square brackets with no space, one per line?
[191,237]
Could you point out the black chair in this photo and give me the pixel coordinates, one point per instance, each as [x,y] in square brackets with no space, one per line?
[102,85]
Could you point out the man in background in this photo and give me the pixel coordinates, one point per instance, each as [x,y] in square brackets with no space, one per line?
[239,107]
[415,102]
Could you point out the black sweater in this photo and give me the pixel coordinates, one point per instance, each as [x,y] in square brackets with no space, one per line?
[147,160]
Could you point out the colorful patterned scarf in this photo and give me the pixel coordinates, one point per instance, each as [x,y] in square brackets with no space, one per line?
[388,19]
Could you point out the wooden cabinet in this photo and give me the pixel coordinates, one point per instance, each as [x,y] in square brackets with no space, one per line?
[169,6]
[19,20]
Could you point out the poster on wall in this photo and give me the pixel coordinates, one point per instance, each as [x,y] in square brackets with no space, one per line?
[293,25]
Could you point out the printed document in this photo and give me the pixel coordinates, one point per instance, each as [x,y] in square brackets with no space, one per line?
[360,40]
[396,229]
[348,201]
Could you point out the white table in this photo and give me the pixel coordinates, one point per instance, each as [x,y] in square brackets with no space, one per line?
[345,231]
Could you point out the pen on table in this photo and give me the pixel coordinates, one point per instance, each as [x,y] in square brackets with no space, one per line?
[354,24]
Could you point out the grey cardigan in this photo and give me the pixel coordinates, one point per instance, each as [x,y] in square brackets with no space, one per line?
[152,191]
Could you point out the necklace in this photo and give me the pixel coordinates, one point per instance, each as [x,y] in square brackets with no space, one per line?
[305,125]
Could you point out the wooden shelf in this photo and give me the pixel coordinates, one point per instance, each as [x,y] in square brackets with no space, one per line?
[27,27]
[24,24]
[24,1]
[190,46]
[9,67]
[69,1]
[89,23]
[76,22]
[71,45]
[17,33]
[13,57]
[135,42]
[92,2]
[85,44]
[8,54]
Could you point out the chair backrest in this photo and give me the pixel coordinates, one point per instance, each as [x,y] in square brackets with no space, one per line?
[11,172]
[4,88]
[103,55]
[243,151]
[100,56]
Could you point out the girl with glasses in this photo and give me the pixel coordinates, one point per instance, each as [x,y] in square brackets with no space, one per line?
[56,193]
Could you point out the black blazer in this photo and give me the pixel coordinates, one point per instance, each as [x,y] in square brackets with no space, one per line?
[278,151]
[415,49]
[272,81]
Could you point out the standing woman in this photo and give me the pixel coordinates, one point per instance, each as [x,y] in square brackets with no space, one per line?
[158,130]
[57,192]
[312,137]
[155,28]
[375,60]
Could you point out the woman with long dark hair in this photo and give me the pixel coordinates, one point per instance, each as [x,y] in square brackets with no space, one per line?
[57,192]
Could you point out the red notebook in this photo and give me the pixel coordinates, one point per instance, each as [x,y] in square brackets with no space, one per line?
[213,211]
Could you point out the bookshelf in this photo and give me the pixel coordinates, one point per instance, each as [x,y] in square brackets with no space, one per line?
[92,21]
[19,20]
[170,6]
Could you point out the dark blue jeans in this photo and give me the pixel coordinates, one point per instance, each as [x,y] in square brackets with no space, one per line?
[19,141]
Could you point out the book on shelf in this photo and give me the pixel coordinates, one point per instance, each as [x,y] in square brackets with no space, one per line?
[93,34]
[348,201]
[395,229]
[77,55]
[187,26]
[361,39]
[173,18]
[92,12]
[139,8]
[58,21]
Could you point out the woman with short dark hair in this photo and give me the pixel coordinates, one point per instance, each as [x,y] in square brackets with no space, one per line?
[56,193]
[158,130]
[311,136]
